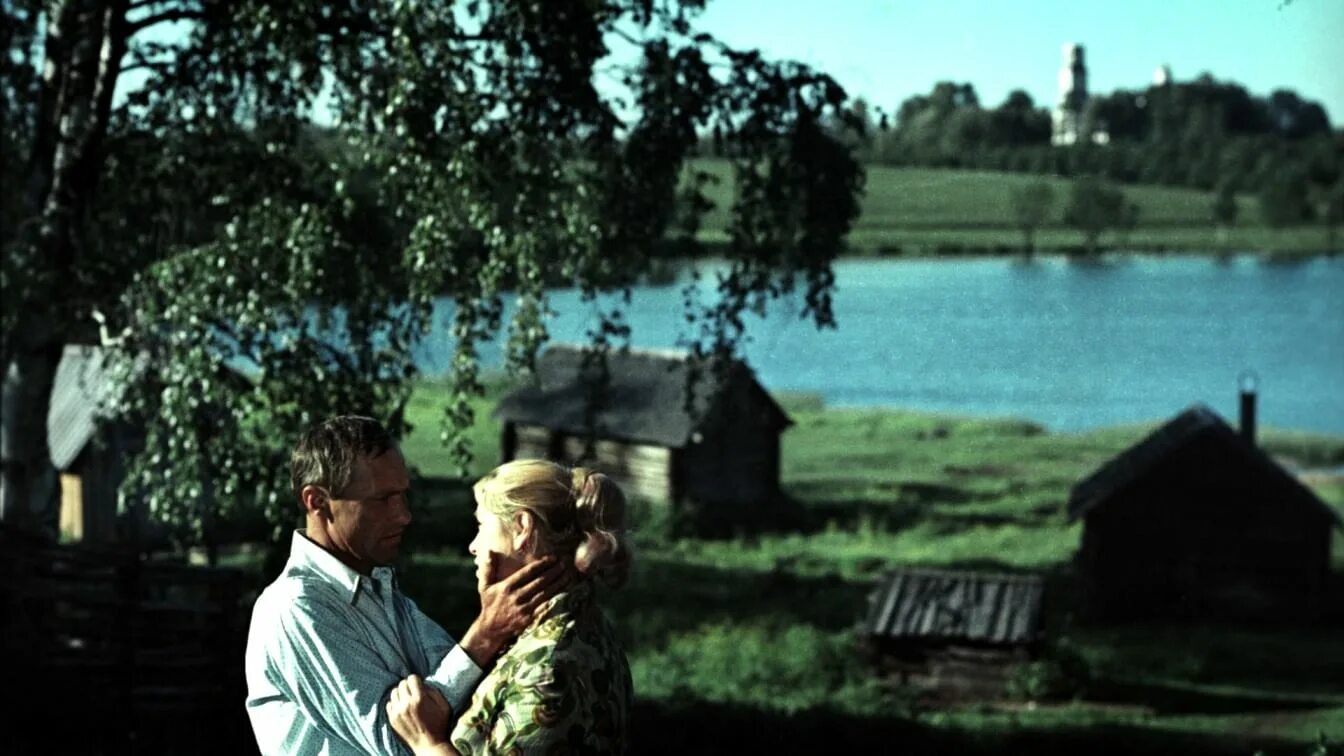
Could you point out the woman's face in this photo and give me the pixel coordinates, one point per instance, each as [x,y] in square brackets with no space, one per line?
[493,536]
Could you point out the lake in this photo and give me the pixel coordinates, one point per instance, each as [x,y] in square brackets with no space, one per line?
[1071,345]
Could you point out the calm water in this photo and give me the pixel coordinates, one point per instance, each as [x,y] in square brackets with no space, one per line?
[1070,345]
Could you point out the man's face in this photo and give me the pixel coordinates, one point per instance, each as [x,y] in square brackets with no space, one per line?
[368,518]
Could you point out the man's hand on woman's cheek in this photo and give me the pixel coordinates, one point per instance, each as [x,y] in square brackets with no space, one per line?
[509,605]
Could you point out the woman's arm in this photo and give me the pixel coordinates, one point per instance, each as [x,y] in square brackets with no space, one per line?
[420,715]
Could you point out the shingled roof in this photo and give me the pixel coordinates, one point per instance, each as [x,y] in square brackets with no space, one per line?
[644,402]
[1197,422]
[82,385]
[940,605]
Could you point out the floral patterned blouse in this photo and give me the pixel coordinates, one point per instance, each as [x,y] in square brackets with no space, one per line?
[564,687]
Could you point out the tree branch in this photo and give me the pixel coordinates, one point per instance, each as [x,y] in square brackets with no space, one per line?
[157,65]
[180,14]
[147,55]
[630,38]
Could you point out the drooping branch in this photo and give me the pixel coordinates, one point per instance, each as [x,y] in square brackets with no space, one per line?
[177,14]
[147,65]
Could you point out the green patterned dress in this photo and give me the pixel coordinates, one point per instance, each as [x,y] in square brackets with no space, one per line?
[563,688]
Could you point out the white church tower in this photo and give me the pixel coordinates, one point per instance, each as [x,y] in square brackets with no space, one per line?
[1067,117]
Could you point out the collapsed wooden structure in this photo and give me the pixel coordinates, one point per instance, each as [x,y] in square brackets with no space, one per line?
[952,634]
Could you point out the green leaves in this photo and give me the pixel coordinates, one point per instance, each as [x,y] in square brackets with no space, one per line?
[237,346]
[298,187]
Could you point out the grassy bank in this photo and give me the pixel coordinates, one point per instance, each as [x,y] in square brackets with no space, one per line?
[753,634]
[919,211]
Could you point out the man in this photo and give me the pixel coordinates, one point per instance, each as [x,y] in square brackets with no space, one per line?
[333,635]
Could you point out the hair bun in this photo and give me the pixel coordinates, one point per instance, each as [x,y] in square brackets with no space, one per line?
[575,511]
[603,550]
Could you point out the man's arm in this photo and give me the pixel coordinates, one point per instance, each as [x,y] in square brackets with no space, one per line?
[420,715]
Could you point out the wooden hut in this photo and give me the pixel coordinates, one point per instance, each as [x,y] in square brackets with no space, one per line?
[952,634]
[1195,519]
[89,449]
[720,447]
[87,452]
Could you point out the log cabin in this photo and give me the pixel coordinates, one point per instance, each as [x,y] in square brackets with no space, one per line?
[666,430]
[1197,520]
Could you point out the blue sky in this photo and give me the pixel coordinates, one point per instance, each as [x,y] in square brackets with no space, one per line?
[888,50]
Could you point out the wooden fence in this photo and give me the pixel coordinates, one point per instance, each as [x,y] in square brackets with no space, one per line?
[117,654]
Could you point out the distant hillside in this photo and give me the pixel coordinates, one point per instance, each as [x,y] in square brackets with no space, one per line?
[924,210]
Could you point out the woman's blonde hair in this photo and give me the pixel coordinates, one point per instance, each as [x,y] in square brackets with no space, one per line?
[575,510]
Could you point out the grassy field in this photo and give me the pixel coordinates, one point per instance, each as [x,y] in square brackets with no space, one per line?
[746,643]
[929,211]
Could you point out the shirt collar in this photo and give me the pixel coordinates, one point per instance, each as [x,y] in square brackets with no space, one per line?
[306,555]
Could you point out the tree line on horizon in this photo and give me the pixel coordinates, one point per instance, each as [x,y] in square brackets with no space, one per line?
[1202,134]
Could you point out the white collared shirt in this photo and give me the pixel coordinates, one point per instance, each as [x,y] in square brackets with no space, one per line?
[325,646]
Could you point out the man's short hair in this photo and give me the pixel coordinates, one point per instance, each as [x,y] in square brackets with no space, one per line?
[327,453]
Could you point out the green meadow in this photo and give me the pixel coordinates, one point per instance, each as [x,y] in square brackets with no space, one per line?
[919,211]
[746,642]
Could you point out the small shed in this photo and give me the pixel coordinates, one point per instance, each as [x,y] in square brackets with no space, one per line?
[1196,519]
[953,634]
[86,452]
[720,447]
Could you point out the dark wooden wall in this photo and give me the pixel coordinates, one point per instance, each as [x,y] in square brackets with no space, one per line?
[642,470]
[737,459]
[1205,533]
[89,488]
[733,459]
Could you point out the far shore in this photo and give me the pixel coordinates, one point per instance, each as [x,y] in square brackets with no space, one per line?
[910,211]
[1077,253]
[1287,244]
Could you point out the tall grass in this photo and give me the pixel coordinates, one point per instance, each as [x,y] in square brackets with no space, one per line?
[759,625]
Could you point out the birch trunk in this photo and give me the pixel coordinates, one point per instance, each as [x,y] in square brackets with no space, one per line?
[85,44]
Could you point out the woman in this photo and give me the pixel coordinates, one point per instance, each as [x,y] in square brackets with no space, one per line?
[565,684]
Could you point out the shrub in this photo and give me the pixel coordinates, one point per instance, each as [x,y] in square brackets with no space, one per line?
[655,522]
[1038,680]
[784,669]
[1062,673]
[1095,206]
[1324,746]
